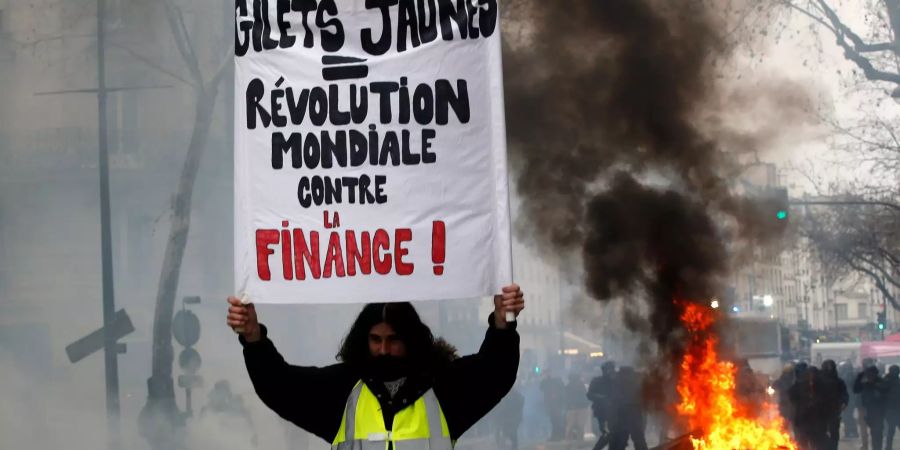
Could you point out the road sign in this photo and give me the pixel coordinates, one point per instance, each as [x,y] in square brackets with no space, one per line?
[186,328]
[189,360]
[80,349]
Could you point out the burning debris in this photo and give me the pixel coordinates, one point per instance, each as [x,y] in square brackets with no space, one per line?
[709,400]
[608,104]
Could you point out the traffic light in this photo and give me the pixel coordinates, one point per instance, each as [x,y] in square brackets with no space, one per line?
[882,320]
[780,200]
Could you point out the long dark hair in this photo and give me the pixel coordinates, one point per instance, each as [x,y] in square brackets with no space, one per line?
[421,348]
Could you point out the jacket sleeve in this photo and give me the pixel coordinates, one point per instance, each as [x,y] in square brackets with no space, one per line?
[313,398]
[474,384]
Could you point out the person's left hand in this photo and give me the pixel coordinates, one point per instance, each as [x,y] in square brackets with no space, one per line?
[511,300]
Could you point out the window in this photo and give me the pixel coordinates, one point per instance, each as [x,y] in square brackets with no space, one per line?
[863,310]
[841,311]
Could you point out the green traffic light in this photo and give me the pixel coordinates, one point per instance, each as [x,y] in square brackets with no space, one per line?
[880,326]
[781,215]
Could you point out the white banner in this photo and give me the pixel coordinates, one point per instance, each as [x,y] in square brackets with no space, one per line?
[370,151]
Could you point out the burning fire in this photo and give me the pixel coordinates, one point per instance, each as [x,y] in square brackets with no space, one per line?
[709,402]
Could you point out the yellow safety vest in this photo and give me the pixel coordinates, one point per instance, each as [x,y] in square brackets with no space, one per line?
[419,426]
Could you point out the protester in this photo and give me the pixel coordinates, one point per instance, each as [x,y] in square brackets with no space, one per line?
[390,368]
[892,406]
[810,418]
[782,386]
[835,402]
[628,420]
[508,418]
[848,416]
[871,388]
[577,408]
[599,393]
[554,392]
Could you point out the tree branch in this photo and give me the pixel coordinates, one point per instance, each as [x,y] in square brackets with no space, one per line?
[878,282]
[152,64]
[854,53]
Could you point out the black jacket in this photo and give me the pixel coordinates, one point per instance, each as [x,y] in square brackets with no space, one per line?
[314,398]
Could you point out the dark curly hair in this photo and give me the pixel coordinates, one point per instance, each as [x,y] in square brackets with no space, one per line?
[421,346]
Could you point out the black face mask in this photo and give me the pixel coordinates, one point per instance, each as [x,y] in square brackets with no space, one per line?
[388,367]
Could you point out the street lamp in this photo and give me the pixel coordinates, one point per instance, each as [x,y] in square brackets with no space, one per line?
[768,301]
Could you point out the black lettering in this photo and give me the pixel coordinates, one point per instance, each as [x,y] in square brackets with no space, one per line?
[445,98]
[312,151]
[304,7]
[427,135]
[487,18]
[276,96]
[384,89]
[457,14]
[358,148]
[280,146]
[350,183]
[267,42]
[332,190]
[409,159]
[390,149]
[428,26]
[359,103]
[242,28]
[384,43]
[303,192]
[284,27]
[471,10]
[380,196]
[334,150]
[423,104]
[332,41]
[318,106]
[338,117]
[403,102]
[407,23]
[255,91]
[297,105]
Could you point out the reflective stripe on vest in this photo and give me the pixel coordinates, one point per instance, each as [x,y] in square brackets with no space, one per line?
[420,426]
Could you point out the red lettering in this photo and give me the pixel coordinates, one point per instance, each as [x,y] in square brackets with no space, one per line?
[287,267]
[402,267]
[264,238]
[364,259]
[334,257]
[306,255]
[381,243]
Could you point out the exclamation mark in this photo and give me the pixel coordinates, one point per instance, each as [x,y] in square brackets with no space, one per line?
[438,241]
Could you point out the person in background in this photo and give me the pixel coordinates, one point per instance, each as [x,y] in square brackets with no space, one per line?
[892,404]
[871,388]
[809,415]
[782,386]
[836,399]
[508,418]
[577,408]
[627,420]
[848,416]
[554,392]
[599,393]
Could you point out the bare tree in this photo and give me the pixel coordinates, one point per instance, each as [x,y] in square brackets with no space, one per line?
[858,238]
[875,51]
[160,410]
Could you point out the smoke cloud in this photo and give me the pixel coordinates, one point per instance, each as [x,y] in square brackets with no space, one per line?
[608,109]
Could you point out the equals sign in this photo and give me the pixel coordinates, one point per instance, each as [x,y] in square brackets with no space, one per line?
[343,68]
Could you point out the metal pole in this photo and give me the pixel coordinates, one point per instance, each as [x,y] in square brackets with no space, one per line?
[844,203]
[109,306]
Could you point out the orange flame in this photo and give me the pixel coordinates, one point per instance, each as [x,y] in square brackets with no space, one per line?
[709,402]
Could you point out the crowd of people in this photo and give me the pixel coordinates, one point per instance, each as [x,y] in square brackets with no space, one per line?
[823,404]
[820,405]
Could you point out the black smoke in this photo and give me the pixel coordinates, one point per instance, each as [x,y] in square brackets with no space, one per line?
[606,106]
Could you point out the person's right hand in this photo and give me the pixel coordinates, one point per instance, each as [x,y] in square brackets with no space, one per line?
[242,319]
